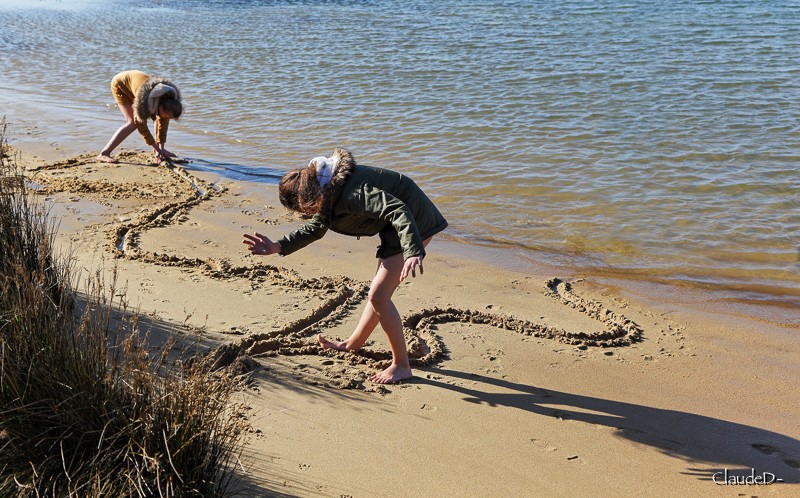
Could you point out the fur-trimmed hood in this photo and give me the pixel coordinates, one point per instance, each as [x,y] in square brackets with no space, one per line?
[345,162]
[344,165]
[145,103]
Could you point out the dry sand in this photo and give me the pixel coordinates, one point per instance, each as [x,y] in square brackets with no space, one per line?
[525,385]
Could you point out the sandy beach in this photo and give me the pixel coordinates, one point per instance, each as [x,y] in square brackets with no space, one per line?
[527,382]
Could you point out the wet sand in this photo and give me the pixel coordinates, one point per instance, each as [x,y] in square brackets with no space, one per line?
[526,384]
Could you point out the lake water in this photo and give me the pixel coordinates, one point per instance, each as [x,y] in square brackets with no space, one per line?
[649,139]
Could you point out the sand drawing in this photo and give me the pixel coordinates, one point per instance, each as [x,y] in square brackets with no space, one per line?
[341,295]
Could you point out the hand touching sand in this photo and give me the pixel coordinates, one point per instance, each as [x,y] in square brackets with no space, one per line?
[161,153]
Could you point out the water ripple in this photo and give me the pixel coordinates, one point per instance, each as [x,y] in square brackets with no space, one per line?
[648,136]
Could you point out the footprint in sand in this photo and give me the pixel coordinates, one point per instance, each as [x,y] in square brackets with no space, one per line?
[765,448]
[544,444]
[772,450]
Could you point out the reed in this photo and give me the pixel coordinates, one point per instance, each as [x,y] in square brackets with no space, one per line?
[85,408]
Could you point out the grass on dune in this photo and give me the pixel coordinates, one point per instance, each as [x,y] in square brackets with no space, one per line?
[85,408]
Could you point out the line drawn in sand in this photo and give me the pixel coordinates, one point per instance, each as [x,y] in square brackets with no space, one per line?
[342,294]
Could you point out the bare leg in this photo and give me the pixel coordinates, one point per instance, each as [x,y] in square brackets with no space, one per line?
[380,301]
[369,320]
[121,134]
[381,309]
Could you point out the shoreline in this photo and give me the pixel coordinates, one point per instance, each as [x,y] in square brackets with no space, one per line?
[667,294]
[497,411]
[702,299]
[771,304]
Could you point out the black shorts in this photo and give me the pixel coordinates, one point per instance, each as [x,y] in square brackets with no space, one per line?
[390,244]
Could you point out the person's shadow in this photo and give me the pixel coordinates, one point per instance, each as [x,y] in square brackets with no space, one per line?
[695,438]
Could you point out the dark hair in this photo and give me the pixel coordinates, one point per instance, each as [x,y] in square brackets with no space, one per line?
[171,105]
[299,191]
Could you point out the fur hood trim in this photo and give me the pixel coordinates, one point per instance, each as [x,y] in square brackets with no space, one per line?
[145,103]
[345,163]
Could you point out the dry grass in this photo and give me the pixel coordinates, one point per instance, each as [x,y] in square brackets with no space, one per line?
[85,409]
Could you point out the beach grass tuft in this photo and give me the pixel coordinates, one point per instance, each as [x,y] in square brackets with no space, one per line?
[86,408]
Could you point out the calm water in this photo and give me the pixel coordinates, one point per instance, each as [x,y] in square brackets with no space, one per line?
[646,138]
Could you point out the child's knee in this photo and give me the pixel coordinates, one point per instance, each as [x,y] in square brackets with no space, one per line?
[379,296]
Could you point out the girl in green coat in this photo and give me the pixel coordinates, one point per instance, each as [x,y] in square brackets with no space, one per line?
[360,200]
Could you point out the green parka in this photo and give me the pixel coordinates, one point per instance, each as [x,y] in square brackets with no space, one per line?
[370,201]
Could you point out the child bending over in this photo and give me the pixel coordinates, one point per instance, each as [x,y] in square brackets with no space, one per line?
[358,200]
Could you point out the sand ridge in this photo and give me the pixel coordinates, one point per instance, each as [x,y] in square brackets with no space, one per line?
[183,191]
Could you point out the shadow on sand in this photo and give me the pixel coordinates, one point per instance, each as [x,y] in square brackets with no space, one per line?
[256,475]
[695,438]
[186,343]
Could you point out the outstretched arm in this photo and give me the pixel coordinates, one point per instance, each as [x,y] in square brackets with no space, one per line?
[261,244]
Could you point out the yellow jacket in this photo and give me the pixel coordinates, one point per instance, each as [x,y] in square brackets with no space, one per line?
[132,88]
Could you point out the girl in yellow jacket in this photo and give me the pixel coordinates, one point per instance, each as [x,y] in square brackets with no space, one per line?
[141,97]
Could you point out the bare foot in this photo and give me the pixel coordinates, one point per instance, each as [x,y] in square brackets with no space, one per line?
[105,158]
[326,344]
[394,373]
